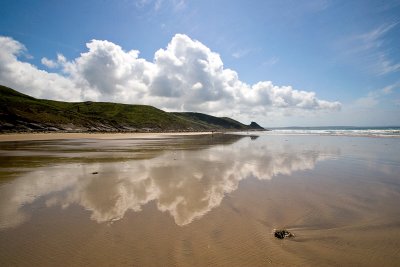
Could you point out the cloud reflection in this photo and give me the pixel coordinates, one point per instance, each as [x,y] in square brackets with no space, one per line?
[185,183]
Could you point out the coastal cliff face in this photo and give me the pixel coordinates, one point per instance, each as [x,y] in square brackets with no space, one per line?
[23,113]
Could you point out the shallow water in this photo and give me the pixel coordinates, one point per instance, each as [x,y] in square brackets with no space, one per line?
[200,200]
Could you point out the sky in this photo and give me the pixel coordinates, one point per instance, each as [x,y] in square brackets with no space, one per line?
[279,63]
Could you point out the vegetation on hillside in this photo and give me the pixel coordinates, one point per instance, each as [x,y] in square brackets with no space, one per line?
[20,112]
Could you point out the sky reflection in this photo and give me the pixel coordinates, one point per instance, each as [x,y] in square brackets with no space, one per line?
[185,179]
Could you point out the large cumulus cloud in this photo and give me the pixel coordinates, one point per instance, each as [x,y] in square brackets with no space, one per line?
[27,78]
[186,75]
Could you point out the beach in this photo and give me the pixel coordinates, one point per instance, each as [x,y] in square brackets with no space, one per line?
[199,200]
[199,133]
[54,136]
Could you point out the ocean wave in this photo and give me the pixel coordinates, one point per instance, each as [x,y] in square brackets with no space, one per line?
[373,132]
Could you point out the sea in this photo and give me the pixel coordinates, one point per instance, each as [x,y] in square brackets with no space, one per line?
[391,131]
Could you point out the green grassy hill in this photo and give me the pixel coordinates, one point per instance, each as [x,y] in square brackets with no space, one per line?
[20,112]
[211,121]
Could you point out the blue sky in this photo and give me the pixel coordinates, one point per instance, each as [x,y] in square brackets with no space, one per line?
[345,53]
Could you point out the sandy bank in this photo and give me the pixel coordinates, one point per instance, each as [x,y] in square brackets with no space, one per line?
[55,136]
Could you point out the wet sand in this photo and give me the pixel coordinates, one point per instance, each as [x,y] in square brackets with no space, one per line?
[211,200]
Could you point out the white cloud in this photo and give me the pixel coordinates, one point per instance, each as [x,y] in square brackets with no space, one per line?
[27,78]
[368,101]
[370,48]
[158,4]
[108,73]
[267,94]
[373,37]
[385,65]
[270,62]
[390,88]
[49,63]
[175,5]
[317,5]
[142,3]
[373,98]
[240,53]
[186,75]
[61,58]
[179,4]
[197,86]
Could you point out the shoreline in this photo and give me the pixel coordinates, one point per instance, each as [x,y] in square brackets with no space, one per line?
[10,137]
[41,136]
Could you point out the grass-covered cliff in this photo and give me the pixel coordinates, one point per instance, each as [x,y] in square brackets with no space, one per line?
[20,112]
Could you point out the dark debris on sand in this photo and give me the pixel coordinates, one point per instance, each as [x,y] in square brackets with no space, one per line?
[281,234]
